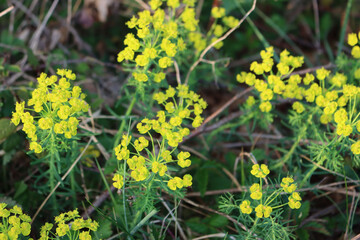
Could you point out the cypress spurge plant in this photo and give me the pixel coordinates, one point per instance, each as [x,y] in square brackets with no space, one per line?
[50,117]
[262,213]
[326,99]
[148,165]
[15,225]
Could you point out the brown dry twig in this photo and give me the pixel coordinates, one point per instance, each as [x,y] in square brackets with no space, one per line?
[35,38]
[201,129]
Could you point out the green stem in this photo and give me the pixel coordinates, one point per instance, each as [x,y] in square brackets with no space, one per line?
[252,228]
[52,179]
[122,126]
[73,190]
[309,174]
[293,147]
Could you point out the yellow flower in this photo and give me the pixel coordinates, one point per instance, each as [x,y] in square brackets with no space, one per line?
[141,77]
[165,62]
[85,236]
[339,79]
[250,101]
[260,171]
[308,78]
[294,200]
[64,112]
[355,148]
[118,181]
[263,211]
[257,68]
[197,121]
[355,52]
[187,180]
[256,192]
[36,147]
[344,129]
[330,108]
[159,77]
[142,60]
[265,106]
[143,32]
[322,73]
[325,119]
[245,207]
[352,39]
[350,90]
[217,12]
[182,159]
[150,53]
[173,3]
[287,185]
[357,73]
[298,107]
[141,143]
[62,229]
[155,4]
[267,95]
[172,184]
[230,21]
[45,123]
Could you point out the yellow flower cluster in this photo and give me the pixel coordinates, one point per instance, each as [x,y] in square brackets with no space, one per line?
[57,103]
[154,165]
[169,125]
[189,102]
[14,223]
[69,224]
[274,83]
[263,209]
[158,39]
[330,93]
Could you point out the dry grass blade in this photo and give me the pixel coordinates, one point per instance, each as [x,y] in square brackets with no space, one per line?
[6,11]
[35,38]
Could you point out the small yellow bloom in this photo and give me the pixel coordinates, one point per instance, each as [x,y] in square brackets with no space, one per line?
[287,185]
[265,106]
[217,12]
[245,207]
[118,181]
[263,211]
[187,180]
[355,52]
[256,192]
[352,39]
[165,62]
[260,171]
[36,147]
[294,200]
